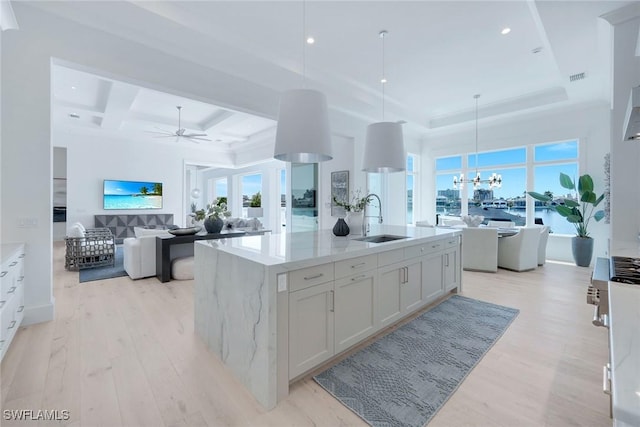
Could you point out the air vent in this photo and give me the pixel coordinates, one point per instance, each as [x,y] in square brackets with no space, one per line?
[576,77]
[74,116]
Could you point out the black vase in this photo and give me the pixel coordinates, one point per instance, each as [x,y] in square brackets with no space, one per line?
[341,228]
[213,224]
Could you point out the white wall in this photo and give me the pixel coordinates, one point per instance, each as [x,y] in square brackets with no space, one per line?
[92,160]
[625,155]
[343,159]
[589,124]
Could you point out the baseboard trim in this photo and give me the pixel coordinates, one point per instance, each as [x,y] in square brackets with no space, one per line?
[39,313]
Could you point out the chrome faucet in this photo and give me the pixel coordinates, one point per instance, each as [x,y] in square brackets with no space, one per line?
[365,223]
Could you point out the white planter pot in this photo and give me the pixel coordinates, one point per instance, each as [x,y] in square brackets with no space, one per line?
[354,221]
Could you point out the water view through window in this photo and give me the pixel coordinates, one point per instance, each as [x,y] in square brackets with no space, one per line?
[509,201]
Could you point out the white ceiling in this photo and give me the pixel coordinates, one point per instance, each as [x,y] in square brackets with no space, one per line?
[438,55]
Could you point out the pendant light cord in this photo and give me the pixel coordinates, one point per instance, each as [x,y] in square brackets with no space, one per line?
[304,50]
[476,97]
[384,78]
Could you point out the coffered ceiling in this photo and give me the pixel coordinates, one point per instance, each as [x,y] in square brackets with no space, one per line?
[438,54]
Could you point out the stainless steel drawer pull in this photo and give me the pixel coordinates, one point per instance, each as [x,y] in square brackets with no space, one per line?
[333,301]
[11,290]
[20,279]
[362,276]
[13,263]
[359,265]
[605,379]
[12,325]
[313,277]
[4,273]
[435,246]
[21,309]
[21,256]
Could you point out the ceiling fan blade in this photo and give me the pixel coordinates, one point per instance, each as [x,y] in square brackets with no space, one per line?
[191,135]
[198,138]
[160,133]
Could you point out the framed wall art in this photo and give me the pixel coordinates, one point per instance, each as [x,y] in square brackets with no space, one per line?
[339,189]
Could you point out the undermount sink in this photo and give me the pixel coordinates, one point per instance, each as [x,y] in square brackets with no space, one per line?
[381,238]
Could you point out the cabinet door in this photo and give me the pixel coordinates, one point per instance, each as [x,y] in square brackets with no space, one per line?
[412,293]
[432,276]
[451,264]
[389,305]
[355,300]
[311,333]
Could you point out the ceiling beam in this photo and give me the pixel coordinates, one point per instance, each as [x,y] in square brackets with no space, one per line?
[215,119]
[118,104]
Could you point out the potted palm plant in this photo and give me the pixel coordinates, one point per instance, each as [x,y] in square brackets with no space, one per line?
[578,210]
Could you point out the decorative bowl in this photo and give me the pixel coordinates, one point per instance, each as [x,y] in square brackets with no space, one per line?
[185,231]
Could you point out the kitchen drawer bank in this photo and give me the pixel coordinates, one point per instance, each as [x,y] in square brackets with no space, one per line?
[11,293]
[274,307]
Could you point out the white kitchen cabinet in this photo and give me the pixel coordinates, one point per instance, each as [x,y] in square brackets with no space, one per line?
[11,293]
[432,269]
[311,327]
[451,264]
[390,280]
[355,306]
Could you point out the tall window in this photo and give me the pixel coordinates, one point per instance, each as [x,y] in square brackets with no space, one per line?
[447,198]
[251,191]
[508,201]
[549,160]
[283,197]
[220,188]
[411,187]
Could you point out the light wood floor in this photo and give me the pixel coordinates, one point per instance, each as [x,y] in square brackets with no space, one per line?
[123,352]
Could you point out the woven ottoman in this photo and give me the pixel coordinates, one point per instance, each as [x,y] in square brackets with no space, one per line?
[182,268]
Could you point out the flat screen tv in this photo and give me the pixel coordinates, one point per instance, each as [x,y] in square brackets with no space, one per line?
[132,195]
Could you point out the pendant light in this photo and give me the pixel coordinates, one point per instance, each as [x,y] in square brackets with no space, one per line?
[494,181]
[302,134]
[384,146]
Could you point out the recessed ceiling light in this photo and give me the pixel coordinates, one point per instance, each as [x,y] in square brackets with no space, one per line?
[73,87]
[383,80]
[505,31]
[311,40]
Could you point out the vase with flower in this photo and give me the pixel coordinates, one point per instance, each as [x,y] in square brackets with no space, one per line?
[215,213]
[355,210]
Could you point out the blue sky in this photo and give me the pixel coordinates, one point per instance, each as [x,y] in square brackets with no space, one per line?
[251,184]
[125,188]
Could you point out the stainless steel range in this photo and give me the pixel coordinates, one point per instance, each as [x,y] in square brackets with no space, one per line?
[615,269]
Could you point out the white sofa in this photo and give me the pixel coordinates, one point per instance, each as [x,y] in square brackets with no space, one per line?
[140,252]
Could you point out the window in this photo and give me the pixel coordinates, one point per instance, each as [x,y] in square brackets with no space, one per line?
[411,187]
[220,188]
[508,201]
[549,161]
[251,191]
[283,197]
[448,200]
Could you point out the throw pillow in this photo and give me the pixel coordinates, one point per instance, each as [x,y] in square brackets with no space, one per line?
[75,231]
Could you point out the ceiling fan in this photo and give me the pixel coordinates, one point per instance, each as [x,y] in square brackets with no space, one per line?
[180,132]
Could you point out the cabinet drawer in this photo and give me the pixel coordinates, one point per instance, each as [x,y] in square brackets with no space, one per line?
[451,242]
[423,249]
[390,257]
[355,265]
[306,277]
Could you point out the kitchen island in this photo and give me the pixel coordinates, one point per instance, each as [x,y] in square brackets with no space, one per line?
[274,307]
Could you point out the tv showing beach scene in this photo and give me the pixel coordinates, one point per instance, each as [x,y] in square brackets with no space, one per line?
[132,195]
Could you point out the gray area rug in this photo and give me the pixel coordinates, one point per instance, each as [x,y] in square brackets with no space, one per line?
[405,377]
[108,272]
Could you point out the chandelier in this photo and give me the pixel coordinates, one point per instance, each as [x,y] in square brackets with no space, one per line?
[494,181]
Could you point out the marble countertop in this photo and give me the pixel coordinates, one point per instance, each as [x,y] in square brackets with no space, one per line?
[7,250]
[304,249]
[624,312]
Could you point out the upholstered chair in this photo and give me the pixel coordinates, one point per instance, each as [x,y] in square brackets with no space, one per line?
[520,251]
[480,249]
[501,224]
[542,245]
